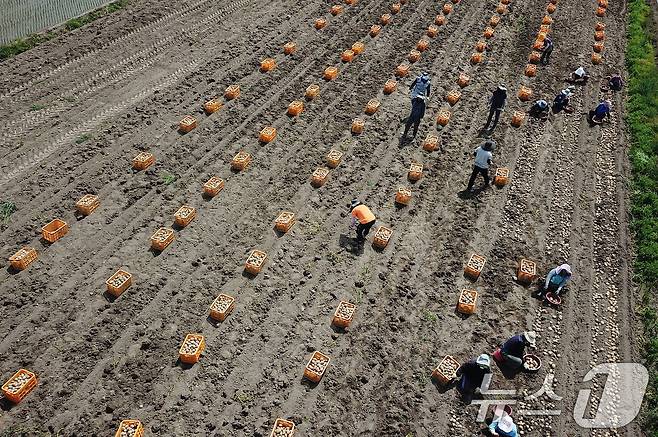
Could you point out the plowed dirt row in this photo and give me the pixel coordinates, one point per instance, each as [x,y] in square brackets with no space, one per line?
[102,360]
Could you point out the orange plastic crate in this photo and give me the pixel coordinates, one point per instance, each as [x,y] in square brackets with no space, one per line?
[463,80]
[443,117]
[54,230]
[319,177]
[143,161]
[488,32]
[187,124]
[474,266]
[213,186]
[432,31]
[357,126]
[453,97]
[476,58]
[267,134]
[184,215]
[538,44]
[372,106]
[467,301]
[551,8]
[524,93]
[447,8]
[330,73]
[344,314]
[526,271]
[402,70]
[316,366]
[191,349]
[312,91]
[446,371]
[19,385]
[232,92]
[599,35]
[241,161]
[494,20]
[87,204]
[320,23]
[295,108]
[395,8]
[336,9]
[212,106]
[283,428]
[502,177]
[547,20]
[289,48]
[517,118]
[422,45]
[130,428]
[267,64]
[284,221]
[531,70]
[334,157]
[440,20]
[415,172]
[255,262]
[375,29]
[119,282]
[596,58]
[599,26]
[162,238]
[385,19]
[347,56]
[501,8]
[358,47]
[598,47]
[480,46]
[534,57]
[403,196]
[382,237]
[390,86]
[221,307]
[23,258]
[431,143]
[414,56]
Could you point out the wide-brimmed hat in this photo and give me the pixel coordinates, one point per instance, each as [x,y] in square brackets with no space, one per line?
[505,424]
[502,87]
[354,203]
[483,360]
[530,337]
[564,267]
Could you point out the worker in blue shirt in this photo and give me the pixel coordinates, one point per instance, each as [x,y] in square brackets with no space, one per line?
[420,92]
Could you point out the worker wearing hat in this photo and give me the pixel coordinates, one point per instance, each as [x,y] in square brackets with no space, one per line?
[513,349]
[420,91]
[562,100]
[557,279]
[601,112]
[539,109]
[496,106]
[483,158]
[363,217]
[472,374]
[503,426]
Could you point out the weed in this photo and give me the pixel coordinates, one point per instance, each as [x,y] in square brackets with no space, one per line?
[37,107]
[334,257]
[358,295]
[6,210]
[429,316]
[168,178]
[243,397]
[83,138]
[313,227]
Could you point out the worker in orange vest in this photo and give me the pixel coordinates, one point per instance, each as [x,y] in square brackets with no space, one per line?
[362,215]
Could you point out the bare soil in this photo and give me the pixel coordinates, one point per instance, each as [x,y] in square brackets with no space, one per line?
[75,111]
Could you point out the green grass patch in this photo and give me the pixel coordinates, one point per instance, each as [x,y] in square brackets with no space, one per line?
[168,178]
[6,210]
[83,138]
[642,120]
[21,45]
[37,107]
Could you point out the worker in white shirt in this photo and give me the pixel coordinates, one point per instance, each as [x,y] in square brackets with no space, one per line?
[483,157]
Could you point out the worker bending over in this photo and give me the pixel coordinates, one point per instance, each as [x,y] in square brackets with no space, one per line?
[556,280]
[512,350]
[472,374]
[363,217]
[539,109]
[503,426]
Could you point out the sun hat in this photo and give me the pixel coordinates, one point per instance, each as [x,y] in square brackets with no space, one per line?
[506,424]
[502,87]
[483,360]
[354,204]
[565,267]
[530,337]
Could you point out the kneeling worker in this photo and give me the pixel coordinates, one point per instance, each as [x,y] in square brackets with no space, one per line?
[513,349]
[364,217]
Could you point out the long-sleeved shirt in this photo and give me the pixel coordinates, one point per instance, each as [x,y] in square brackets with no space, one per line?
[421,86]
[513,433]
[554,278]
[498,99]
[473,372]
[482,157]
[602,110]
[515,346]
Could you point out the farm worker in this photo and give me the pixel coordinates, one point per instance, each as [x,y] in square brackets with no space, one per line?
[363,217]
[503,426]
[557,279]
[483,157]
[561,101]
[615,82]
[601,112]
[472,374]
[539,109]
[513,349]
[579,75]
[496,106]
[546,51]
[420,92]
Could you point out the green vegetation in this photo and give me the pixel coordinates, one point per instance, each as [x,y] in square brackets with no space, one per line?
[83,138]
[21,45]
[37,107]
[642,121]
[168,178]
[6,210]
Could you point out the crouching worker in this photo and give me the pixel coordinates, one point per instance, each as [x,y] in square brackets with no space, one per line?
[615,82]
[539,109]
[503,426]
[601,112]
[579,76]
[512,351]
[562,100]
[556,280]
[471,375]
[363,218]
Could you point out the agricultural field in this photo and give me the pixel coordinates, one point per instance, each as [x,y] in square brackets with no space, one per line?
[148,135]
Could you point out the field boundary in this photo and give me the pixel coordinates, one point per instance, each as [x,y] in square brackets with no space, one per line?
[642,120]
